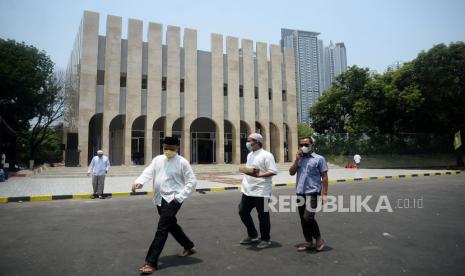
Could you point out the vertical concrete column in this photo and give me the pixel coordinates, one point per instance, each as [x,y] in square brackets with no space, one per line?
[234,113]
[249,82]
[134,83]
[190,88]
[277,101]
[111,92]
[289,65]
[154,76]
[88,80]
[263,100]
[217,94]
[173,97]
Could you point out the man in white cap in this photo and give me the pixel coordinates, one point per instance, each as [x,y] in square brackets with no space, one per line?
[98,168]
[256,191]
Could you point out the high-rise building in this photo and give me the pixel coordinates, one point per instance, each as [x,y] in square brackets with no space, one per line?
[308,58]
[335,63]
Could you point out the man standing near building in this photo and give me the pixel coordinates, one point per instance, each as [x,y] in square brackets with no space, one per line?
[256,191]
[173,181]
[357,159]
[312,181]
[98,168]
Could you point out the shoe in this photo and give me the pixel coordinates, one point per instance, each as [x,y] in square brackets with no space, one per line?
[101,197]
[249,240]
[320,244]
[305,247]
[92,196]
[264,244]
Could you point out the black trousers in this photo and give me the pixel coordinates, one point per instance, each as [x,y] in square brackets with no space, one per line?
[246,206]
[307,217]
[167,224]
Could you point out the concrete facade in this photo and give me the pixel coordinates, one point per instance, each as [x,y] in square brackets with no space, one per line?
[132,93]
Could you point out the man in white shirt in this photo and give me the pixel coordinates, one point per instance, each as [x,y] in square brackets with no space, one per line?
[256,191]
[98,167]
[357,159]
[173,181]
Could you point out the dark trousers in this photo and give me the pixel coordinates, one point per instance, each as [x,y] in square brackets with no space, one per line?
[5,170]
[167,224]
[246,206]
[307,217]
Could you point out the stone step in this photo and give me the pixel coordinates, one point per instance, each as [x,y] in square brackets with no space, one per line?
[57,172]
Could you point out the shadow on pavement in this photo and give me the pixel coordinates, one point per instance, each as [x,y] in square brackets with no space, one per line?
[175,260]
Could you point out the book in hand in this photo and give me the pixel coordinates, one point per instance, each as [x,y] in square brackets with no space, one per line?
[247,170]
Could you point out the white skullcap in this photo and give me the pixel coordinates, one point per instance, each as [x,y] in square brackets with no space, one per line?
[257,137]
[100,152]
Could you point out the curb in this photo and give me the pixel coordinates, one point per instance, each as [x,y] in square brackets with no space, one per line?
[215,189]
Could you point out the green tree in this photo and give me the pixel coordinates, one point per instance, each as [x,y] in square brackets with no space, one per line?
[440,76]
[31,98]
[425,95]
[304,130]
[48,113]
[24,71]
[334,110]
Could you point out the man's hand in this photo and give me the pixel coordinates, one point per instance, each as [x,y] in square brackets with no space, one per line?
[136,186]
[298,155]
[324,199]
[263,174]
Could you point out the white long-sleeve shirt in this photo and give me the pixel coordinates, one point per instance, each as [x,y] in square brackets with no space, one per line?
[172,178]
[99,166]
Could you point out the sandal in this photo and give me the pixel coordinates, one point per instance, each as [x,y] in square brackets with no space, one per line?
[187,252]
[304,247]
[147,269]
[320,245]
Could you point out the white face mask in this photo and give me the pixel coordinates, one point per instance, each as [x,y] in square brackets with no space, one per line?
[306,149]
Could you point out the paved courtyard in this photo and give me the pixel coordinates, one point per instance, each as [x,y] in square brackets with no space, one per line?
[81,184]
[110,237]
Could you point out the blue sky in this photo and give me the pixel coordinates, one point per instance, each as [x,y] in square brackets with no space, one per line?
[376,33]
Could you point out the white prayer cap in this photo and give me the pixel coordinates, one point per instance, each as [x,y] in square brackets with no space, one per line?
[257,137]
[100,152]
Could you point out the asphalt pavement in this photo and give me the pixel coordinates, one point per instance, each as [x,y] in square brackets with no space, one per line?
[111,236]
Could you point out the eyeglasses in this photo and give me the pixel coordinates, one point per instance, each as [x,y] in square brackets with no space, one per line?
[304,145]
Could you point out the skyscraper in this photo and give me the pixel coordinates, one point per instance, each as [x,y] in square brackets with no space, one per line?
[335,63]
[316,66]
[308,58]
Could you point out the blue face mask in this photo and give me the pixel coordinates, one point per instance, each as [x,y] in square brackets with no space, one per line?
[248,146]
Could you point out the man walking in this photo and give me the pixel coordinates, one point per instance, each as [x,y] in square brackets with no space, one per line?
[173,181]
[98,168]
[312,181]
[256,191]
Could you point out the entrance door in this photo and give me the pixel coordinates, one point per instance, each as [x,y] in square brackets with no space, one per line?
[205,151]
[137,148]
[203,148]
